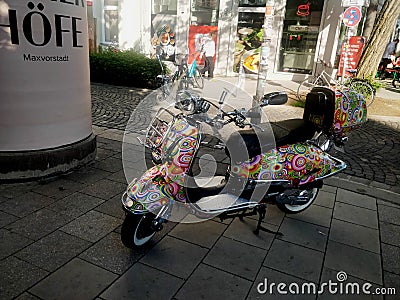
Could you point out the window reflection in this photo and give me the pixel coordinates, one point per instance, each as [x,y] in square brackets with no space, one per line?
[300,35]
[204,12]
[111,26]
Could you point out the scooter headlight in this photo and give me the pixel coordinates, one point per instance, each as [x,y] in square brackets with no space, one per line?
[126,201]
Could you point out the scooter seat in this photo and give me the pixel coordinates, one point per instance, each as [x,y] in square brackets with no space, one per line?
[318,116]
[292,131]
[248,143]
[245,144]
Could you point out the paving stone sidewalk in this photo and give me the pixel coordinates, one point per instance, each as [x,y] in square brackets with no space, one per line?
[60,238]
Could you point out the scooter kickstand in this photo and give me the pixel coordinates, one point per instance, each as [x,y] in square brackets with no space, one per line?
[262,210]
[242,215]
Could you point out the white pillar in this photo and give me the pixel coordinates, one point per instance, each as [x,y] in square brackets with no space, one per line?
[44,83]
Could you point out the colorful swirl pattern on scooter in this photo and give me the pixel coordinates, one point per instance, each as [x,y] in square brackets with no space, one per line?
[148,192]
[299,162]
[179,129]
[350,111]
[164,182]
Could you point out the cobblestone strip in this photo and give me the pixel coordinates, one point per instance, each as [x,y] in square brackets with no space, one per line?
[112,105]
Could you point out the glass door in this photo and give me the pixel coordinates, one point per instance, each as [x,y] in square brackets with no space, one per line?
[300,35]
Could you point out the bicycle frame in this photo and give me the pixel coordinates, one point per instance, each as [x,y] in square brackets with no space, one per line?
[325,79]
[328,79]
[191,70]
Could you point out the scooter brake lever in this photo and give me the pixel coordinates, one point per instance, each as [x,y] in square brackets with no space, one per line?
[256,126]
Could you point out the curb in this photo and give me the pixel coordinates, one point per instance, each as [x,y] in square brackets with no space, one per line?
[373,189]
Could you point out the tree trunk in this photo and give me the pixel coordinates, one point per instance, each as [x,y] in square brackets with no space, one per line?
[379,38]
[370,19]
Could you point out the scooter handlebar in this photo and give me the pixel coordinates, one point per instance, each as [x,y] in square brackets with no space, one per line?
[197,105]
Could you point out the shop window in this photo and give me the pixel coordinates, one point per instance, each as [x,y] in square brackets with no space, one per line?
[300,35]
[252,3]
[163,28]
[111,21]
[249,35]
[164,6]
[204,12]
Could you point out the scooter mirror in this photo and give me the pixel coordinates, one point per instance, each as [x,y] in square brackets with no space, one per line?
[274,98]
[185,101]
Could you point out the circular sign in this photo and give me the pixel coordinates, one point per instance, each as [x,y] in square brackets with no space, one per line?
[352,16]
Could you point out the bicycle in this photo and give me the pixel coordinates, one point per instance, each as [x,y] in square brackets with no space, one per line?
[326,80]
[184,74]
[193,74]
[165,81]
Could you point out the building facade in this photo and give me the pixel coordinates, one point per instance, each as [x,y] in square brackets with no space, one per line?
[303,31]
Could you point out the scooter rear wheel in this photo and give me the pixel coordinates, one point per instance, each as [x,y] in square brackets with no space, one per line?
[136,230]
[294,209]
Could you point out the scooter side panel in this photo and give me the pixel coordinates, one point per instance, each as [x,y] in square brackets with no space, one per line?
[299,162]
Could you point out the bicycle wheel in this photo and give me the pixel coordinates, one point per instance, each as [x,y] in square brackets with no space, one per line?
[166,89]
[364,88]
[198,79]
[183,83]
[306,86]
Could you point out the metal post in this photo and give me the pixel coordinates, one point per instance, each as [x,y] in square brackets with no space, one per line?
[346,46]
[264,55]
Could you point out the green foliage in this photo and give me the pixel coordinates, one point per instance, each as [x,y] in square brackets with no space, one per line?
[372,81]
[126,68]
[298,103]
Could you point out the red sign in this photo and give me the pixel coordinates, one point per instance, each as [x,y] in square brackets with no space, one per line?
[303,10]
[352,16]
[351,54]
[196,39]
[89,3]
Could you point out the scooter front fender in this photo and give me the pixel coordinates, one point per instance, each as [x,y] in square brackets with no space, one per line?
[152,191]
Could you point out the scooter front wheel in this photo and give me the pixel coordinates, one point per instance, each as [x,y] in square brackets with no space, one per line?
[136,231]
[294,209]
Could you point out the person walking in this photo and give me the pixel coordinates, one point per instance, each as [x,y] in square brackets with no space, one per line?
[208,50]
[387,57]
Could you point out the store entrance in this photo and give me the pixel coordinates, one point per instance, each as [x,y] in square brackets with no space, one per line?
[300,35]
